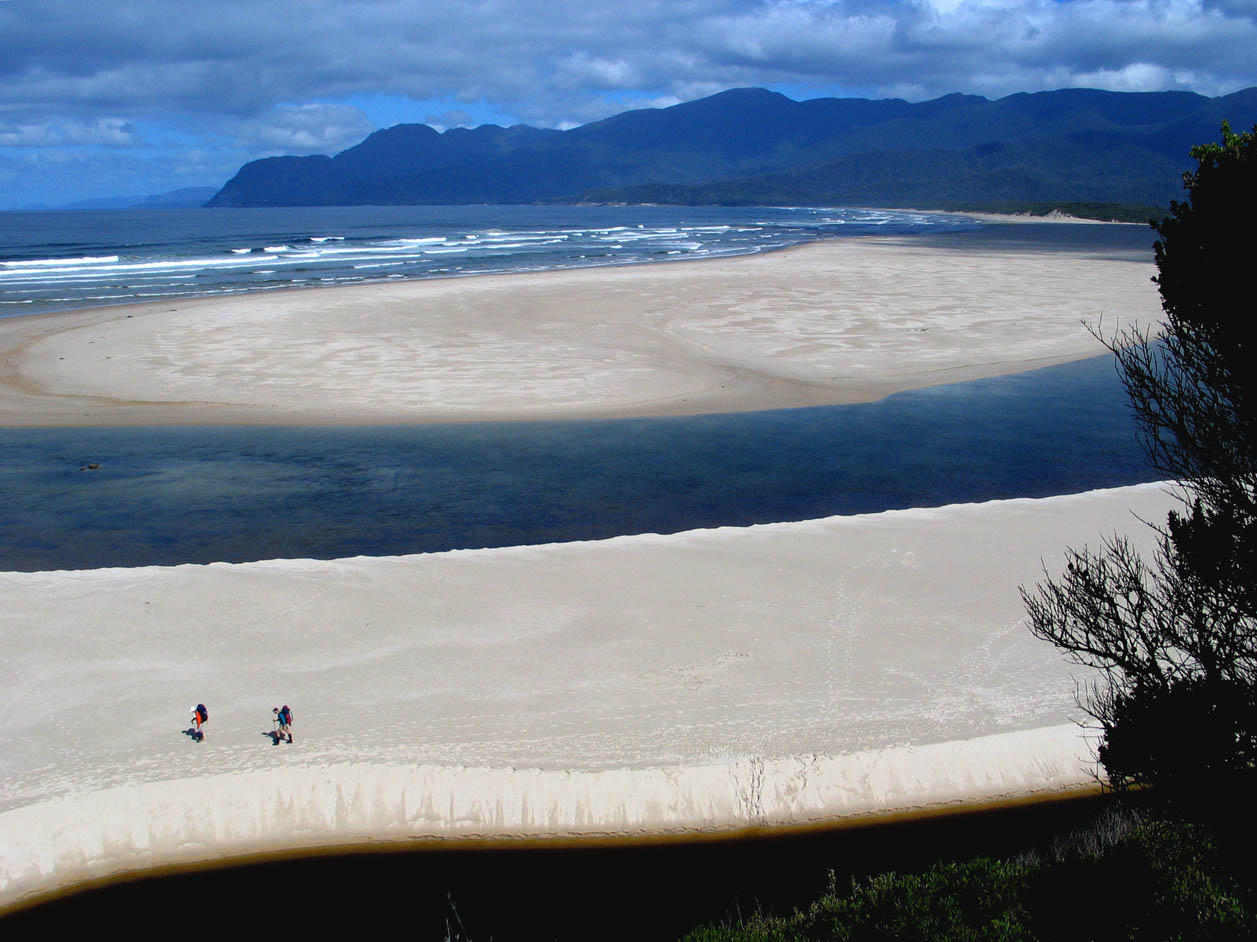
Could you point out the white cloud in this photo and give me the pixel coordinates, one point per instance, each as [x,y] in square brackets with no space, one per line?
[102,132]
[243,79]
[1136,77]
[581,70]
[553,63]
[302,129]
[454,118]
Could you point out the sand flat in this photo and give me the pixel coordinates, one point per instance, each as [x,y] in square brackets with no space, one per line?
[833,322]
[712,680]
[785,673]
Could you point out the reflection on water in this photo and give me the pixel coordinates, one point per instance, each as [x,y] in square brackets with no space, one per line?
[174,495]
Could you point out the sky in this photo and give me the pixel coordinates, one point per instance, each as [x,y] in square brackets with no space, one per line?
[112,97]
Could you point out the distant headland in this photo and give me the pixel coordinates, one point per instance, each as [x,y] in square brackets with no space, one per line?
[1066,148]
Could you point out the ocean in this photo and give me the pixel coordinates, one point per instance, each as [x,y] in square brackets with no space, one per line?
[64,260]
[196,495]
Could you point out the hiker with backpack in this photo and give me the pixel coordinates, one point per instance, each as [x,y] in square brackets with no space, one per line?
[283,723]
[200,716]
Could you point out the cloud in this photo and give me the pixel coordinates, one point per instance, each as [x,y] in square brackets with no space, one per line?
[103,132]
[242,60]
[301,129]
[250,79]
[454,118]
[585,71]
[1246,8]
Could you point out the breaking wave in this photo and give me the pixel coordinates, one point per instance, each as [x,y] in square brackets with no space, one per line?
[198,252]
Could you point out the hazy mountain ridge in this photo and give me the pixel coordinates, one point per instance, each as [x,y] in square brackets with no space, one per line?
[753,145]
[182,198]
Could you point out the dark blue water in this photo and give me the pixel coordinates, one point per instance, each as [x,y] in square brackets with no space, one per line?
[63,260]
[180,495]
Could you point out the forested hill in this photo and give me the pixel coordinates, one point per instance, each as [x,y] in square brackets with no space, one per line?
[755,146]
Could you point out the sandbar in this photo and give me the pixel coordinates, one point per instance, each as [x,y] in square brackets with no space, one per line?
[703,682]
[776,675]
[839,321]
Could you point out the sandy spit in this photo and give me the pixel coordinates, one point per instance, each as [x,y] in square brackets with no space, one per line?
[834,322]
[711,680]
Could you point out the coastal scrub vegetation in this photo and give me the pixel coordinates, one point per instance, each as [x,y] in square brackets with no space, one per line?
[1124,877]
[1012,174]
[1174,638]
[754,147]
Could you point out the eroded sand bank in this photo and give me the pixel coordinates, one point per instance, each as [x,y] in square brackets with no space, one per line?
[840,321]
[786,673]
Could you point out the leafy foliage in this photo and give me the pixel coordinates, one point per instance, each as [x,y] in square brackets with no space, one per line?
[1197,392]
[1175,640]
[1161,879]
[1024,171]
[973,900]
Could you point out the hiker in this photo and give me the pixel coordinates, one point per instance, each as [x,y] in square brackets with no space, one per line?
[200,716]
[283,723]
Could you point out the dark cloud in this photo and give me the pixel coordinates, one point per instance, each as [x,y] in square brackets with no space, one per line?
[244,79]
[1246,8]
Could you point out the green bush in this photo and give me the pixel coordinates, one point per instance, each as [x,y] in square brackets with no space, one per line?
[1161,880]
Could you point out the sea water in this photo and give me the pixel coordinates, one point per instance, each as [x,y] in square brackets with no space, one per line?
[64,260]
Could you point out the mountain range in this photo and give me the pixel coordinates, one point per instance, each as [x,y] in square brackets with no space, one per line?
[753,146]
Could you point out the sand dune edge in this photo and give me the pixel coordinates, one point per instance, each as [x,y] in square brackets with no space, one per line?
[58,844]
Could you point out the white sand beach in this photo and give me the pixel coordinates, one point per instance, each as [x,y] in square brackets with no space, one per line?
[840,321]
[786,674]
[711,680]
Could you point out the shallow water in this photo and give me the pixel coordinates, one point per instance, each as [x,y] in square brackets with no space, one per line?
[66,260]
[177,495]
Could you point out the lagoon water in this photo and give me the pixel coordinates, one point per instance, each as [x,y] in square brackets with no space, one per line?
[168,496]
[178,495]
[175,495]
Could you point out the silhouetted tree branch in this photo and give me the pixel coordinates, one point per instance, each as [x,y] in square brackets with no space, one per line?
[1174,639]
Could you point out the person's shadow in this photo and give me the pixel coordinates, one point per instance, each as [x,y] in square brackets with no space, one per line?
[273,736]
[194,734]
